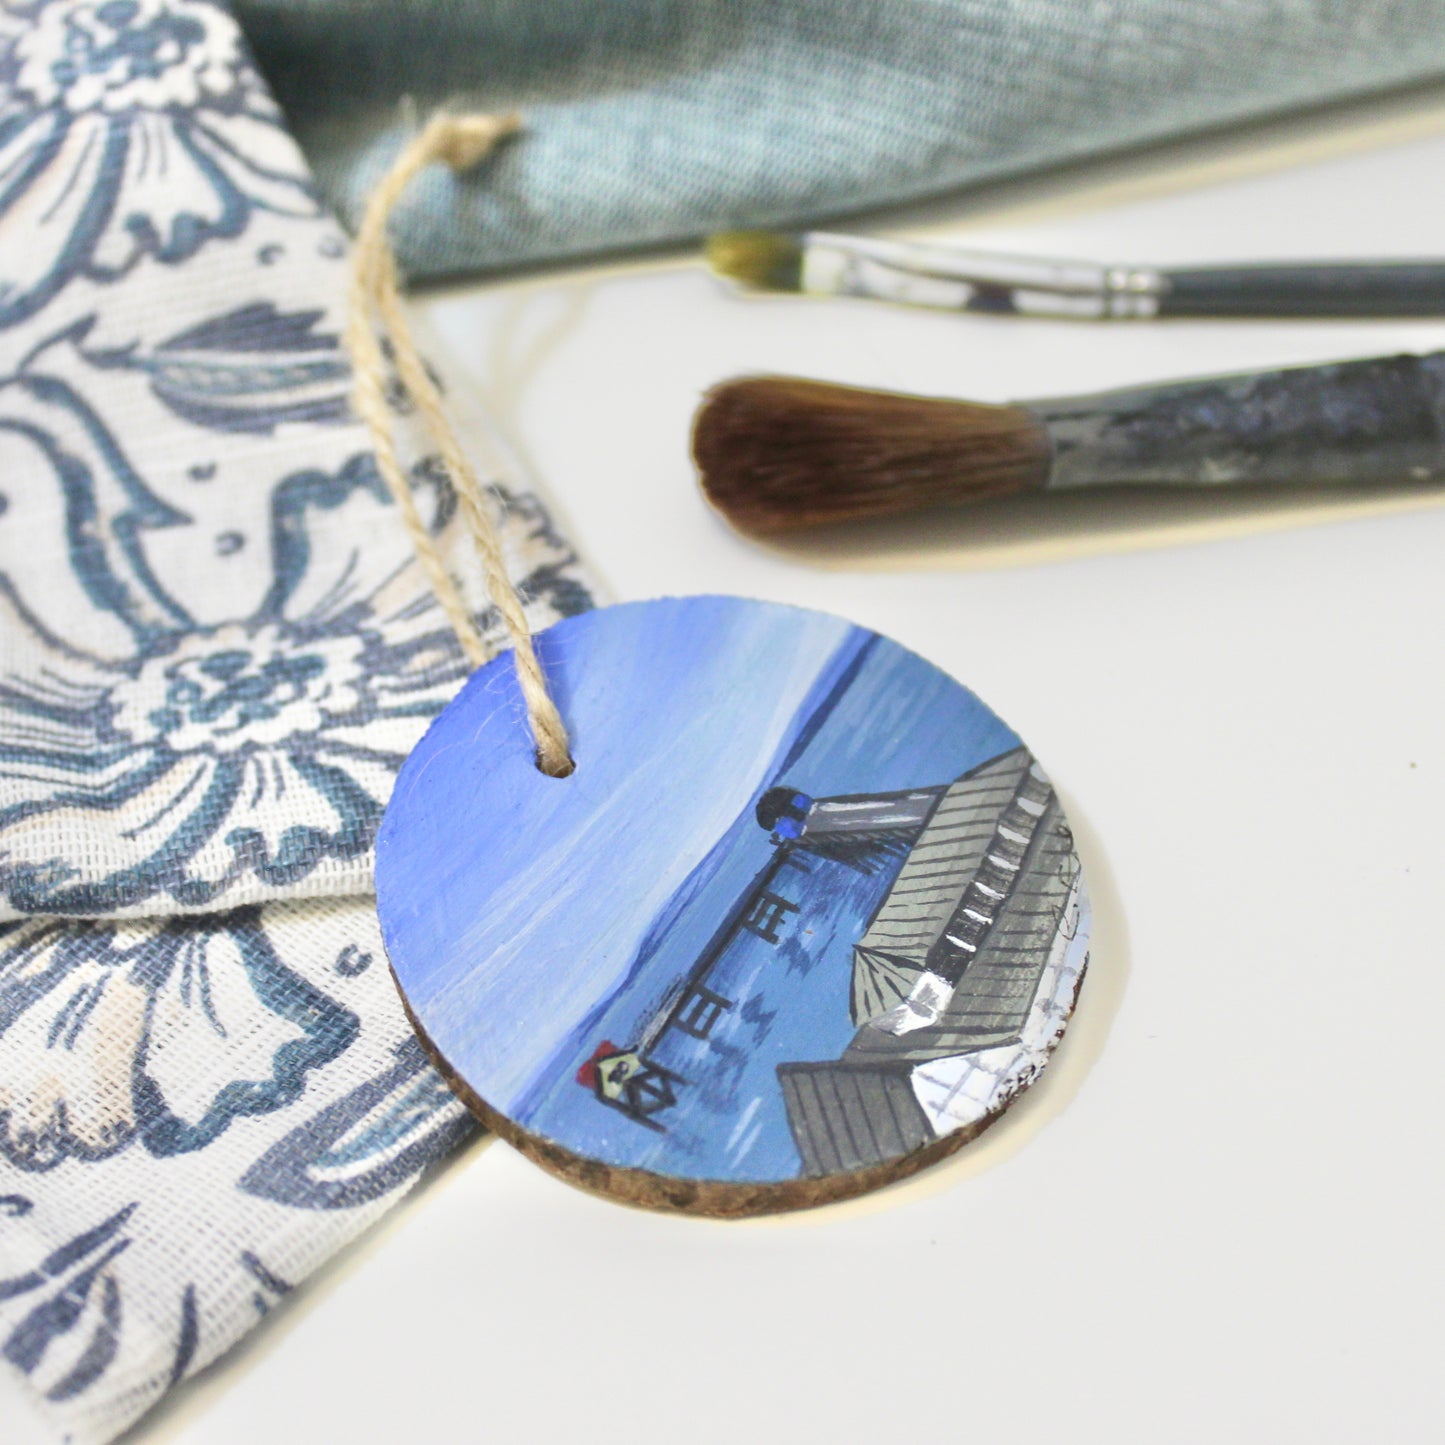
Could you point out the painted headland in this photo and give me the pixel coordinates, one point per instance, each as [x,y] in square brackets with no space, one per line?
[806,906]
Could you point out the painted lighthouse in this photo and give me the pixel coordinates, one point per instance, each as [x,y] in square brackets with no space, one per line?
[962,897]
[869,834]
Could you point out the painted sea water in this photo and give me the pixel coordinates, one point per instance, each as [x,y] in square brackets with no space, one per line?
[804,897]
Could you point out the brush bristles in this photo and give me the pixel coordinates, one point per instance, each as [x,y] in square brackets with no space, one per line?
[776,453]
[760,259]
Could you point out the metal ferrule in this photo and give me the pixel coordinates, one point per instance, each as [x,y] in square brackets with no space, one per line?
[949,279]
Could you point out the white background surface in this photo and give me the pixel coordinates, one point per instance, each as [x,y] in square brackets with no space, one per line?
[1219,1217]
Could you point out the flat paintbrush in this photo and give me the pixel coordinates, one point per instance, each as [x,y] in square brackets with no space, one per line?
[955,278]
[776,453]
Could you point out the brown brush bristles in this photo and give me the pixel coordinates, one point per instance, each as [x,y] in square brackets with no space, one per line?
[779,452]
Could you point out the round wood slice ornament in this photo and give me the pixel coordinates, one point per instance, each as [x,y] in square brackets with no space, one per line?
[806,916]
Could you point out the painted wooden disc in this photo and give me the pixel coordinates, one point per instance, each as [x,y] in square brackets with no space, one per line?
[806,916]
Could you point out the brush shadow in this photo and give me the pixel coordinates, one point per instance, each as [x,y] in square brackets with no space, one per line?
[1025,531]
[1105,984]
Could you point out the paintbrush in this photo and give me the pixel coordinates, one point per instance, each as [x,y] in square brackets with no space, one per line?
[952,278]
[776,453]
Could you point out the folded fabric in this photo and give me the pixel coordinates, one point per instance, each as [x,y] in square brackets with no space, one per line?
[653,121]
[216,648]
[199,1112]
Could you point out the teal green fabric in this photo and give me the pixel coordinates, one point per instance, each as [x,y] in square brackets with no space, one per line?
[654,121]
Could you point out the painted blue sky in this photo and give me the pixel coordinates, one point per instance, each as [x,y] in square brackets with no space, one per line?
[530,917]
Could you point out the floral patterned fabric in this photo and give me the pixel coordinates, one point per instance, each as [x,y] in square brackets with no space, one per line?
[215,651]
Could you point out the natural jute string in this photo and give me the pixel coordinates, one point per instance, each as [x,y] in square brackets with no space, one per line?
[461,141]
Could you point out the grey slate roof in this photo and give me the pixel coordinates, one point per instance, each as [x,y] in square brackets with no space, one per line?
[992,1001]
[844,1117]
[946,857]
[860,1109]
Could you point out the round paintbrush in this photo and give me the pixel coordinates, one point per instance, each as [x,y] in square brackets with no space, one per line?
[777,453]
[955,278]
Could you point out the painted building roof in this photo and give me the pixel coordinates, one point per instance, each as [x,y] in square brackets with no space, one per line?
[844,1117]
[992,1001]
[861,1108]
[946,858]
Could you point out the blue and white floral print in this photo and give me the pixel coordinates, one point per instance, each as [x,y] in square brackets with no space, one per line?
[176,728]
[216,649]
[269,1102]
[196,757]
[163,994]
[71,1296]
[250,370]
[132,128]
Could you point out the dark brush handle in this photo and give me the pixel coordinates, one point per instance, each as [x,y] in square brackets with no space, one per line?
[1350,423]
[1384,288]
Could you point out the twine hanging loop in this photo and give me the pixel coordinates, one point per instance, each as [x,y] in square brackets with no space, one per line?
[375,310]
